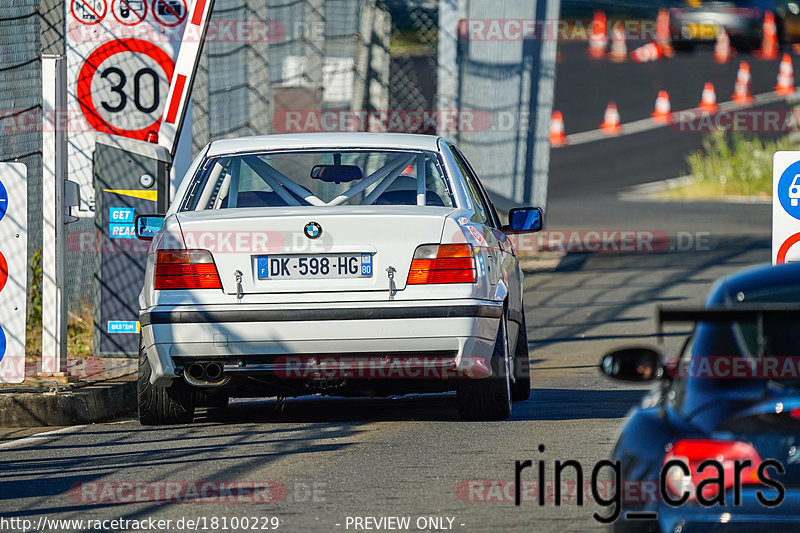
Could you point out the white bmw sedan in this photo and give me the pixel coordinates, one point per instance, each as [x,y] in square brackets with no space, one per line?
[341,264]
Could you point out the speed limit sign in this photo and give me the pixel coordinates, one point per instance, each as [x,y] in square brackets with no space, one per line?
[121,87]
[120,61]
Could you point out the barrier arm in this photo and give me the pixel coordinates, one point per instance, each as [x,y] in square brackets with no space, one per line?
[180,87]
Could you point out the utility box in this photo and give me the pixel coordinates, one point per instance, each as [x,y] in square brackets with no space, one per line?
[131,177]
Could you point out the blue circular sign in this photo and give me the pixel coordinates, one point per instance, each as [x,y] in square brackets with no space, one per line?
[3,201]
[789,190]
[2,343]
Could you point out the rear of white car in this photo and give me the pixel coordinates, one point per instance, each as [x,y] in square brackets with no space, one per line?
[326,264]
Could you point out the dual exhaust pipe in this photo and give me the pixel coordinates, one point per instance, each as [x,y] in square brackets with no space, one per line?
[205,374]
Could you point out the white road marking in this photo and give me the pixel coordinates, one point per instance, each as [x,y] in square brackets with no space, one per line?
[647,124]
[47,435]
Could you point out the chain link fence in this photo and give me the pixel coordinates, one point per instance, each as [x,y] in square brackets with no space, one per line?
[21,102]
[370,60]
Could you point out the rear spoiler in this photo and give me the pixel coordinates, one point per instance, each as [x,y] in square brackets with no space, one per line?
[740,313]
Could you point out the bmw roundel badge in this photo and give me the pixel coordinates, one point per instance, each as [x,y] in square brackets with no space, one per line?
[312,230]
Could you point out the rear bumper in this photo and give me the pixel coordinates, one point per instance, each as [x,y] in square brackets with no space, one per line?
[294,340]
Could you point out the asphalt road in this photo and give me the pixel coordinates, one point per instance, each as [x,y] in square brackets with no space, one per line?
[330,459]
[585,86]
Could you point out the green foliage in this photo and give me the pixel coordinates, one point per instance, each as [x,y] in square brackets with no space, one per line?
[79,327]
[739,166]
[33,322]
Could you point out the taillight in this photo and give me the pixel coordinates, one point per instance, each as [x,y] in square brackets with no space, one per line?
[442,263]
[185,269]
[692,452]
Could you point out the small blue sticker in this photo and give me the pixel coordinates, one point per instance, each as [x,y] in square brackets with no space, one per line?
[366,264]
[263,266]
[123,326]
[121,215]
[2,343]
[122,231]
[3,200]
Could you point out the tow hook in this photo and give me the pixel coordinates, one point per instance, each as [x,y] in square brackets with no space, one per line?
[390,270]
[238,277]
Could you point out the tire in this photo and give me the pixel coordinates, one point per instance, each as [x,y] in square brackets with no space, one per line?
[161,405]
[521,388]
[489,398]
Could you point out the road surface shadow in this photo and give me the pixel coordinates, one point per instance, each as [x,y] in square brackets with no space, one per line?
[432,407]
[576,404]
[544,404]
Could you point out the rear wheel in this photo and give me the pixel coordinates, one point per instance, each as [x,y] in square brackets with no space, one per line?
[161,405]
[521,388]
[489,398]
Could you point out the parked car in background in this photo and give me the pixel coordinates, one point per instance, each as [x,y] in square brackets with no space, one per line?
[695,22]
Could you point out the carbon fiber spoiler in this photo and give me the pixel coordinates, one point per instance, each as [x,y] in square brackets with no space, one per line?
[740,313]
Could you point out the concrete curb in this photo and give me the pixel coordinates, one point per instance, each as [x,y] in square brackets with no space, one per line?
[85,405]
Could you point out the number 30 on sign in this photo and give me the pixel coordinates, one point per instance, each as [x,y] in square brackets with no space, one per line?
[122,87]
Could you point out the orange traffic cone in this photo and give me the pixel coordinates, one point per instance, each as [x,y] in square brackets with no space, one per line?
[610,123]
[722,48]
[647,53]
[598,39]
[663,40]
[769,40]
[662,110]
[741,91]
[708,101]
[619,50]
[785,83]
[557,136]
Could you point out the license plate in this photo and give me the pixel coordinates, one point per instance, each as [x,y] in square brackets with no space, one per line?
[327,266]
[701,31]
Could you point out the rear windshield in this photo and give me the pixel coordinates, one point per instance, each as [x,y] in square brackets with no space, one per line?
[778,340]
[319,178]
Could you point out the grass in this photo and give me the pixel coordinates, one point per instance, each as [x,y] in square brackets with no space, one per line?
[738,165]
[408,42]
[79,325]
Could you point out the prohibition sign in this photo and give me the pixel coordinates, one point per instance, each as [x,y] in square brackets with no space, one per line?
[171,8]
[93,63]
[3,271]
[90,14]
[136,11]
[784,249]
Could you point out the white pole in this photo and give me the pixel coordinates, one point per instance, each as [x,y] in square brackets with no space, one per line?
[54,172]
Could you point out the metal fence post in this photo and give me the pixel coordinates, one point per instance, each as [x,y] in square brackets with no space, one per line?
[54,171]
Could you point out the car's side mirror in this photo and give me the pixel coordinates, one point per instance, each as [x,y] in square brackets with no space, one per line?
[147,226]
[633,364]
[524,220]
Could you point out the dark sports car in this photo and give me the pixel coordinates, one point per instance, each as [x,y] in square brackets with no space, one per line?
[731,401]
